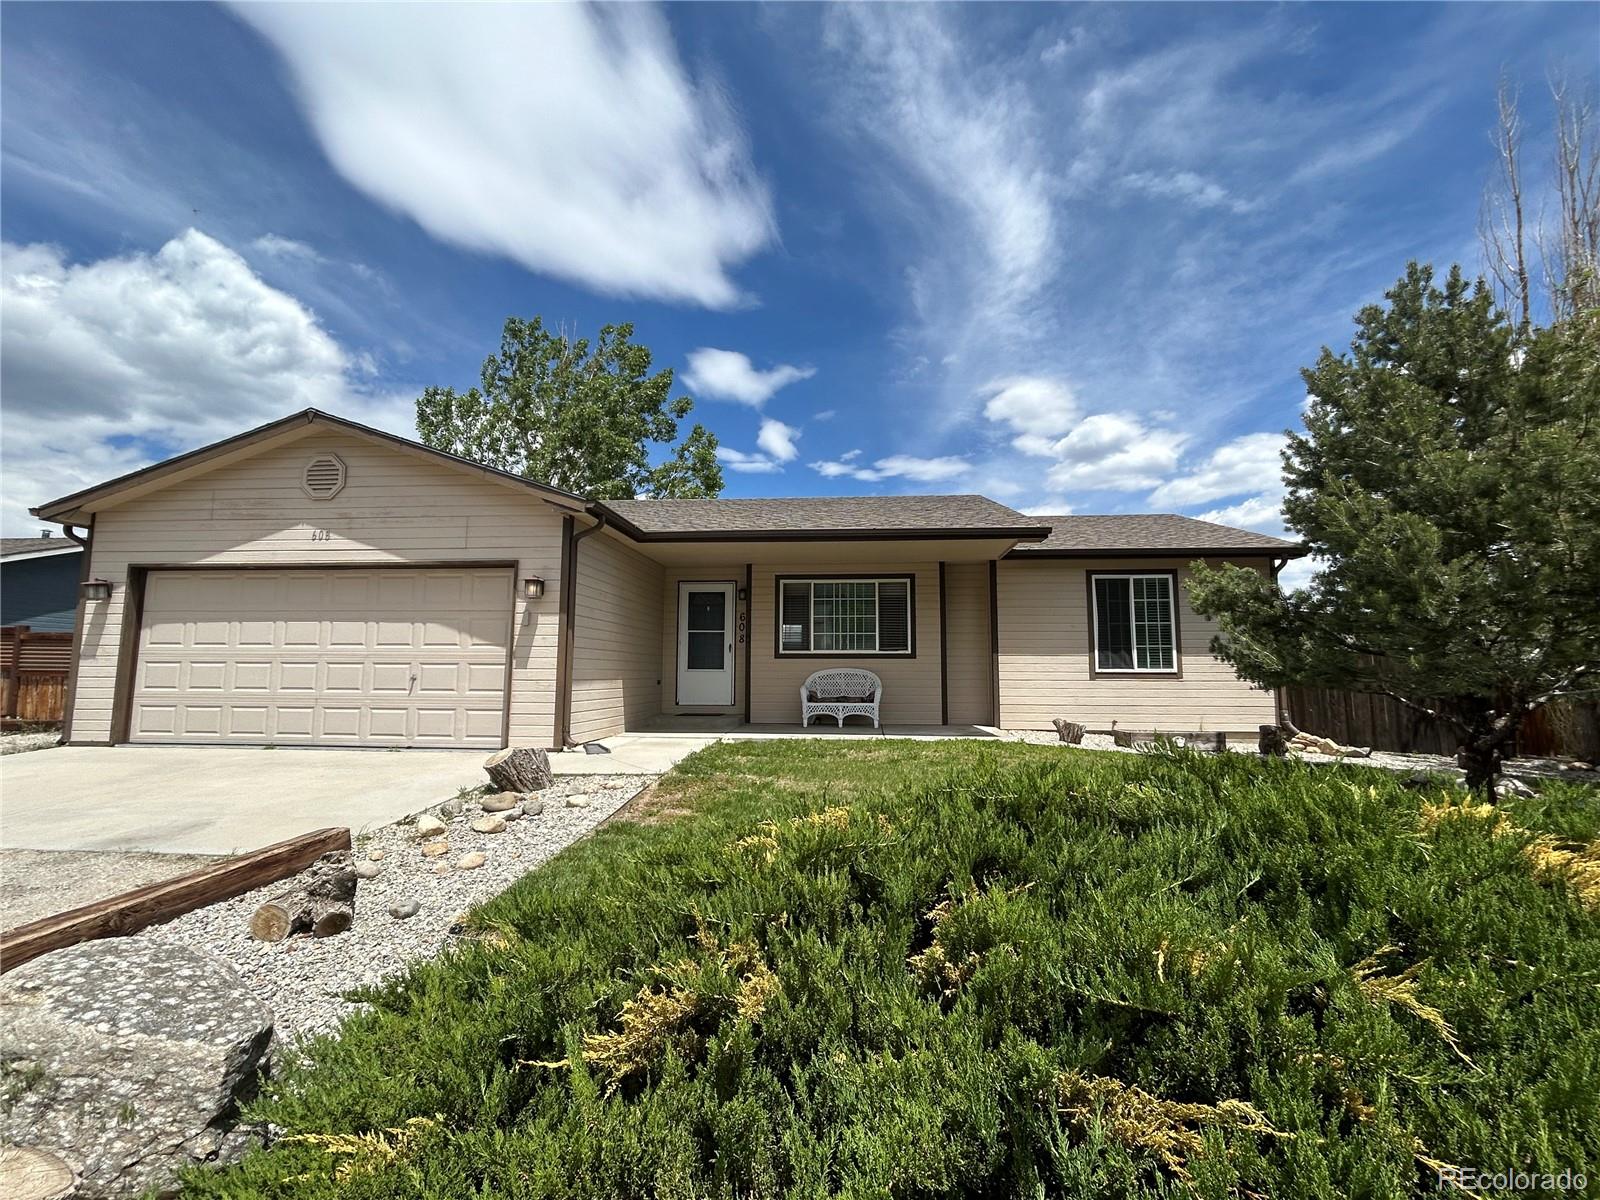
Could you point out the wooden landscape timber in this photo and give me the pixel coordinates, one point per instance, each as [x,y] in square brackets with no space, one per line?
[132,911]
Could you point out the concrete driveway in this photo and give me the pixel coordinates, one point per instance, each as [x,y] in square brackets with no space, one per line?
[214,800]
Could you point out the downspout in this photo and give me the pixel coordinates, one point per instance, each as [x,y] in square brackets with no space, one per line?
[569,624]
[70,699]
[1277,564]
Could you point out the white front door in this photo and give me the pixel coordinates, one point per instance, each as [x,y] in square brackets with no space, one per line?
[705,643]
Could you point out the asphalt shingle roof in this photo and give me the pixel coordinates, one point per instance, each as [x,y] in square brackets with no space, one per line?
[1146,532]
[10,546]
[814,514]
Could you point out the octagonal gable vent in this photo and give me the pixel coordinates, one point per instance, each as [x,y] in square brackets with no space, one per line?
[324,477]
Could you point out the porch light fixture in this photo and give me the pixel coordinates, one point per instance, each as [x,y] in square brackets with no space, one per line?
[533,587]
[744,594]
[96,589]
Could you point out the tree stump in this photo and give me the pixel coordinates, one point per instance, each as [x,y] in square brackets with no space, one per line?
[518,769]
[1273,742]
[323,900]
[1069,731]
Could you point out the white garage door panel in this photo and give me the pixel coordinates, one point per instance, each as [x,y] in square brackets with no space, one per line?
[343,658]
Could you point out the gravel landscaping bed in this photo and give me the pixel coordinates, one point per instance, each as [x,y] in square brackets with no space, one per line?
[1534,768]
[21,743]
[302,979]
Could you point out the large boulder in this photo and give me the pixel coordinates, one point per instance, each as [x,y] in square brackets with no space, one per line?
[129,1058]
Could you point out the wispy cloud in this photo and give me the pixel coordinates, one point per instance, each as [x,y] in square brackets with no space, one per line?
[895,466]
[729,375]
[567,138]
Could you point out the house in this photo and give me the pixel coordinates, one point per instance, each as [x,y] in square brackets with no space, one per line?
[317,582]
[39,582]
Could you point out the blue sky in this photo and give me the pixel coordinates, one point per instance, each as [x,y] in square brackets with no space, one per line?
[1070,257]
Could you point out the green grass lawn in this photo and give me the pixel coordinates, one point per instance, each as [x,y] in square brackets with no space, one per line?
[955,969]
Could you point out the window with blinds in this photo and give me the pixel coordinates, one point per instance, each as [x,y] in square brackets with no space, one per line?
[845,616]
[1134,628]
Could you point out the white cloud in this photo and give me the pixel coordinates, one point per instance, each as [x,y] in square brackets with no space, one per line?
[746,464]
[1049,506]
[1108,452]
[729,375]
[107,365]
[777,439]
[1245,464]
[826,414]
[1264,513]
[567,138]
[1034,406]
[896,466]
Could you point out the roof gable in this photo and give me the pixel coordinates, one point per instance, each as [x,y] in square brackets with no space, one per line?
[73,507]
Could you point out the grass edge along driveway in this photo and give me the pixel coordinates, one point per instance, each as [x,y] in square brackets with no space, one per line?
[937,969]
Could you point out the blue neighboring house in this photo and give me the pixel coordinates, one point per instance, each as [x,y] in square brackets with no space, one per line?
[39,583]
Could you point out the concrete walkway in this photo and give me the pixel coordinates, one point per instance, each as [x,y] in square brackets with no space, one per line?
[214,799]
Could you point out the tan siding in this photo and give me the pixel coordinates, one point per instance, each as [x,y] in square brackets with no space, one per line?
[968,655]
[1044,659]
[616,669]
[910,685]
[394,508]
[728,573]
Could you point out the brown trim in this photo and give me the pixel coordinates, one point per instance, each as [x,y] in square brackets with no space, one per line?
[558,719]
[567,627]
[55,509]
[133,618]
[77,631]
[944,653]
[1187,552]
[749,632]
[430,564]
[1177,626]
[677,632]
[814,656]
[128,659]
[1020,533]
[994,638]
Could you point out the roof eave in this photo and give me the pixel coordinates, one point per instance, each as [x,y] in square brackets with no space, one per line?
[1284,551]
[1031,533]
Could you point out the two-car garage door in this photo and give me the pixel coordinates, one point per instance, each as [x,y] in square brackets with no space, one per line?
[359,657]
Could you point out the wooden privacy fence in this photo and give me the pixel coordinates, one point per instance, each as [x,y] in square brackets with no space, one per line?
[1358,719]
[33,675]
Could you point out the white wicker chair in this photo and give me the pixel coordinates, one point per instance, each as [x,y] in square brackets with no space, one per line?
[839,693]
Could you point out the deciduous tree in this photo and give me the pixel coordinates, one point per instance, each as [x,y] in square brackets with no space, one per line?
[552,408]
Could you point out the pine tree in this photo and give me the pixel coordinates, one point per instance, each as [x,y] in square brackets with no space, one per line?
[1448,480]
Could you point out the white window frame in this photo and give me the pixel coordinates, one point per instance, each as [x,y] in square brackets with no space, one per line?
[811,581]
[1171,582]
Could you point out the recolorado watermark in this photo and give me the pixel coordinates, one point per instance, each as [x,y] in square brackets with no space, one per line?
[1476,1179]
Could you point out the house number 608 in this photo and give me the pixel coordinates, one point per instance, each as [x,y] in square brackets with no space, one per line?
[321,535]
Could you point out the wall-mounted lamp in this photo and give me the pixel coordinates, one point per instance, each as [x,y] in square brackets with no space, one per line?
[96,589]
[744,594]
[533,587]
